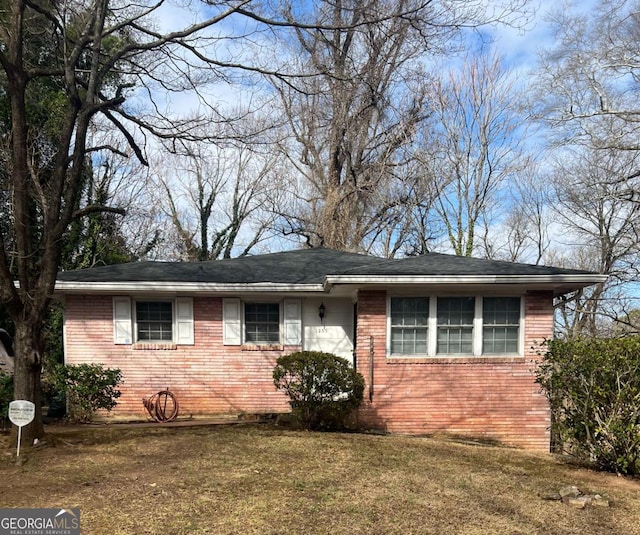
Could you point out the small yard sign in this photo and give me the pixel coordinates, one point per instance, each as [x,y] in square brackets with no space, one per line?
[21,413]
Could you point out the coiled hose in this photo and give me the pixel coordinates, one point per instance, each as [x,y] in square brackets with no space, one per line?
[162,406]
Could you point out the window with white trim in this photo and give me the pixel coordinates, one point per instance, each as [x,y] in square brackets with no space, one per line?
[501,325]
[454,326]
[409,325]
[262,323]
[153,320]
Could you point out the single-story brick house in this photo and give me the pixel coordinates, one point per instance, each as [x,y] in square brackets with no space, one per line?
[445,343]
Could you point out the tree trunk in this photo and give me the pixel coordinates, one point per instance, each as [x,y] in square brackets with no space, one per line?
[29,344]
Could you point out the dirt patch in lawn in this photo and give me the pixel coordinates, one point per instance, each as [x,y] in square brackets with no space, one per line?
[259,479]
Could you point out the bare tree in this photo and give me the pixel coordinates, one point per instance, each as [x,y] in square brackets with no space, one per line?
[524,234]
[588,82]
[112,178]
[217,197]
[362,103]
[94,55]
[587,94]
[412,226]
[473,148]
[345,121]
[601,227]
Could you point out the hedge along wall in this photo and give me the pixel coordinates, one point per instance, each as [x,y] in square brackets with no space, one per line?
[594,389]
[490,397]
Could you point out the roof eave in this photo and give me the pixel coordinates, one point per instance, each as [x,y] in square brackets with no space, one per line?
[67,287]
[560,283]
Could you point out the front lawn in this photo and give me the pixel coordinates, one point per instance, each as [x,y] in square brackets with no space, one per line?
[254,479]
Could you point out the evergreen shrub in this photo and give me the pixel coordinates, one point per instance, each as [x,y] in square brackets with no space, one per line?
[323,389]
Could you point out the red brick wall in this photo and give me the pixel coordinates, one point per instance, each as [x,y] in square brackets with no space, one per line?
[207,378]
[490,397]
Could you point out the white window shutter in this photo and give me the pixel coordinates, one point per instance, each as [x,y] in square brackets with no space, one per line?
[292,322]
[184,321]
[122,326]
[231,322]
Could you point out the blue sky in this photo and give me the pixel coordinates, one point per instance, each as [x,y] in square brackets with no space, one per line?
[518,45]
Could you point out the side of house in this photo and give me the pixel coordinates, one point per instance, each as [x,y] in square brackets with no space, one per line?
[491,395]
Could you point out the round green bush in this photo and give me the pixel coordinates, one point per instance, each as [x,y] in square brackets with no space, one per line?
[323,389]
[88,388]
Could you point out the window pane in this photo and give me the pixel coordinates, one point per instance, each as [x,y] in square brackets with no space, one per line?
[409,320]
[409,311]
[501,318]
[456,310]
[455,340]
[262,322]
[455,325]
[498,340]
[501,310]
[154,320]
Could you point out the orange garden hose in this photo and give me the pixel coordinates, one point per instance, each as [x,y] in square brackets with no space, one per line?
[162,406]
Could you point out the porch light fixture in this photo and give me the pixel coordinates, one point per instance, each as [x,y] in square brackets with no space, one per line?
[321,311]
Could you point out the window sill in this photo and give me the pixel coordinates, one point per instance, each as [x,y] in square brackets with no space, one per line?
[448,359]
[262,347]
[154,346]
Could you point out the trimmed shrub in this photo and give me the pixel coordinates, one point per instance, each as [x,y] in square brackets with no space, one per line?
[593,387]
[6,394]
[88,388]
[323,389]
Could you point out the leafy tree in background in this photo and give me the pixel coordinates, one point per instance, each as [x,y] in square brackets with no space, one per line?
[64,65]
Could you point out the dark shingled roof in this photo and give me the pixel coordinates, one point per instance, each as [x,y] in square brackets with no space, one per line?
[443,264]
[307,266]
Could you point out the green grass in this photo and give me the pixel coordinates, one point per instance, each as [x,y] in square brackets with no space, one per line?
[251,479]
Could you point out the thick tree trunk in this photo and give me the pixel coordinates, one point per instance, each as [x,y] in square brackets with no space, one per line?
[29,344]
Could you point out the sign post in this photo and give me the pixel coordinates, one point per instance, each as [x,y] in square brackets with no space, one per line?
[21,413]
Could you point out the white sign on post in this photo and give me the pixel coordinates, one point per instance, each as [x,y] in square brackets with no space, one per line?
[21,413]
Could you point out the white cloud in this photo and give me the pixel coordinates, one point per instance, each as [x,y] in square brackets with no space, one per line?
[519,47]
